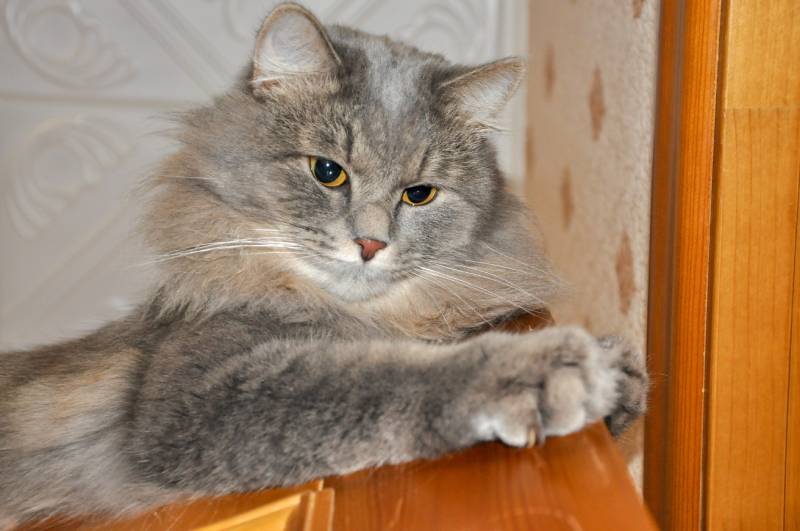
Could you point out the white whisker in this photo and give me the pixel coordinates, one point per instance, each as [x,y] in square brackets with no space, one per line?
[517,260]
[478,288]
[442,310]
[453,293]
[492,264]
[185,177]
[241,243]
[491,277]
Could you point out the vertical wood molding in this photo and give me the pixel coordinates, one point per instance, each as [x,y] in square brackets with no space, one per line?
[792,483]
[751,478]
[725,269]
[683,168]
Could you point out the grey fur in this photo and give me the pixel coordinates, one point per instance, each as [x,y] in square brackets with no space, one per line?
[279,356]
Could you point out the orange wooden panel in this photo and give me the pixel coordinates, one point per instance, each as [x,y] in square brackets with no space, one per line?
[309,511]
[762,56]
[574,482]
[287,514]
[180,516]
[528,322]
[791,511]
[320,516]
[751,318]
[755,238]
[683,167]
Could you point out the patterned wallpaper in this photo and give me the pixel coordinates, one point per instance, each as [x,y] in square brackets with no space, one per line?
[591,97]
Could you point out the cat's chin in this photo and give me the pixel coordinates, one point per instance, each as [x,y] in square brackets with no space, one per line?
[356,293]
[348,283]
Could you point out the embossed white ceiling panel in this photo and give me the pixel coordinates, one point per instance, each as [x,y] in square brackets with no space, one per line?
[82,85]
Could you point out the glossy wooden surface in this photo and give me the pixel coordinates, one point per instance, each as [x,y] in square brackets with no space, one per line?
[181,516]
[752,417]
[307,511]
[578,482]
[683,168]
[791,511]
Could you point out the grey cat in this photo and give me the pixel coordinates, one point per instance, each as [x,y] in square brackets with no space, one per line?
[331,236]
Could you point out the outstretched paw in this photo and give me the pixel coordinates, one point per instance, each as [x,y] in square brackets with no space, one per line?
[554,382]
[632,384]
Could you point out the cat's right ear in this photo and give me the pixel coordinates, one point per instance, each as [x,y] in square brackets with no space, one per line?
[481,92]
[291,45]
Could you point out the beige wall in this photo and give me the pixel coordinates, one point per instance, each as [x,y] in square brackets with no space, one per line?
[590,102]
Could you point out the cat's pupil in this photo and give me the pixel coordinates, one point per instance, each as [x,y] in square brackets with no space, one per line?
[326,170]
[418,194]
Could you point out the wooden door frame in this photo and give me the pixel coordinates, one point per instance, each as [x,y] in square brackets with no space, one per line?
[680,243]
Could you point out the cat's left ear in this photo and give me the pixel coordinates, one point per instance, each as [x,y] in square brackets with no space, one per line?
[291,45]
[482,92]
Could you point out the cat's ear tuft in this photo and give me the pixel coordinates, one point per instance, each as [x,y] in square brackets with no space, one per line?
[482,92]
[290,44]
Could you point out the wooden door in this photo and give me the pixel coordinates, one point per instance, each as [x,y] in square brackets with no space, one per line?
[722,446]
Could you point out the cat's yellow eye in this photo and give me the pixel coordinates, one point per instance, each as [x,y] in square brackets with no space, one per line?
[419,195]
[327,172]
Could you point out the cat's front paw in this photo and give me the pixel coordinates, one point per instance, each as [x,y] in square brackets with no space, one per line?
[632,383]
[553,382]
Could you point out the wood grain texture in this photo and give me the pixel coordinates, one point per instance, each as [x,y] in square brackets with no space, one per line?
[751,318]
[754,270]
[320,516]
[286,514]
[307,511]
[179,516]
[791,511]
[683,167]
[541,318]
[574,482]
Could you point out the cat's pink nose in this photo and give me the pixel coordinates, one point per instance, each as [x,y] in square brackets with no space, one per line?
[369,247]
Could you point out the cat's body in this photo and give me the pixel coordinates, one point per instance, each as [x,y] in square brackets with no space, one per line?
[304,326]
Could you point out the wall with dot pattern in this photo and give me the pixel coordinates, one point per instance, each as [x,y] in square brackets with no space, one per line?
[591,97]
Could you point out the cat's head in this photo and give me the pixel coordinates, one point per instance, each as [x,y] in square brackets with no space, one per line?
[361,162]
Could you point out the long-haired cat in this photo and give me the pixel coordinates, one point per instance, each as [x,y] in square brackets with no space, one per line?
[331,235]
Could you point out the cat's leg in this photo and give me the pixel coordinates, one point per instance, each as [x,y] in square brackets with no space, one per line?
[291,411]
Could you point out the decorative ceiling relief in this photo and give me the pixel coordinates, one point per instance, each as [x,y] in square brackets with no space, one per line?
[55,164]
[63,206]
[454,28]
[242,17]
[65,44]
[191,51]
[458,25]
